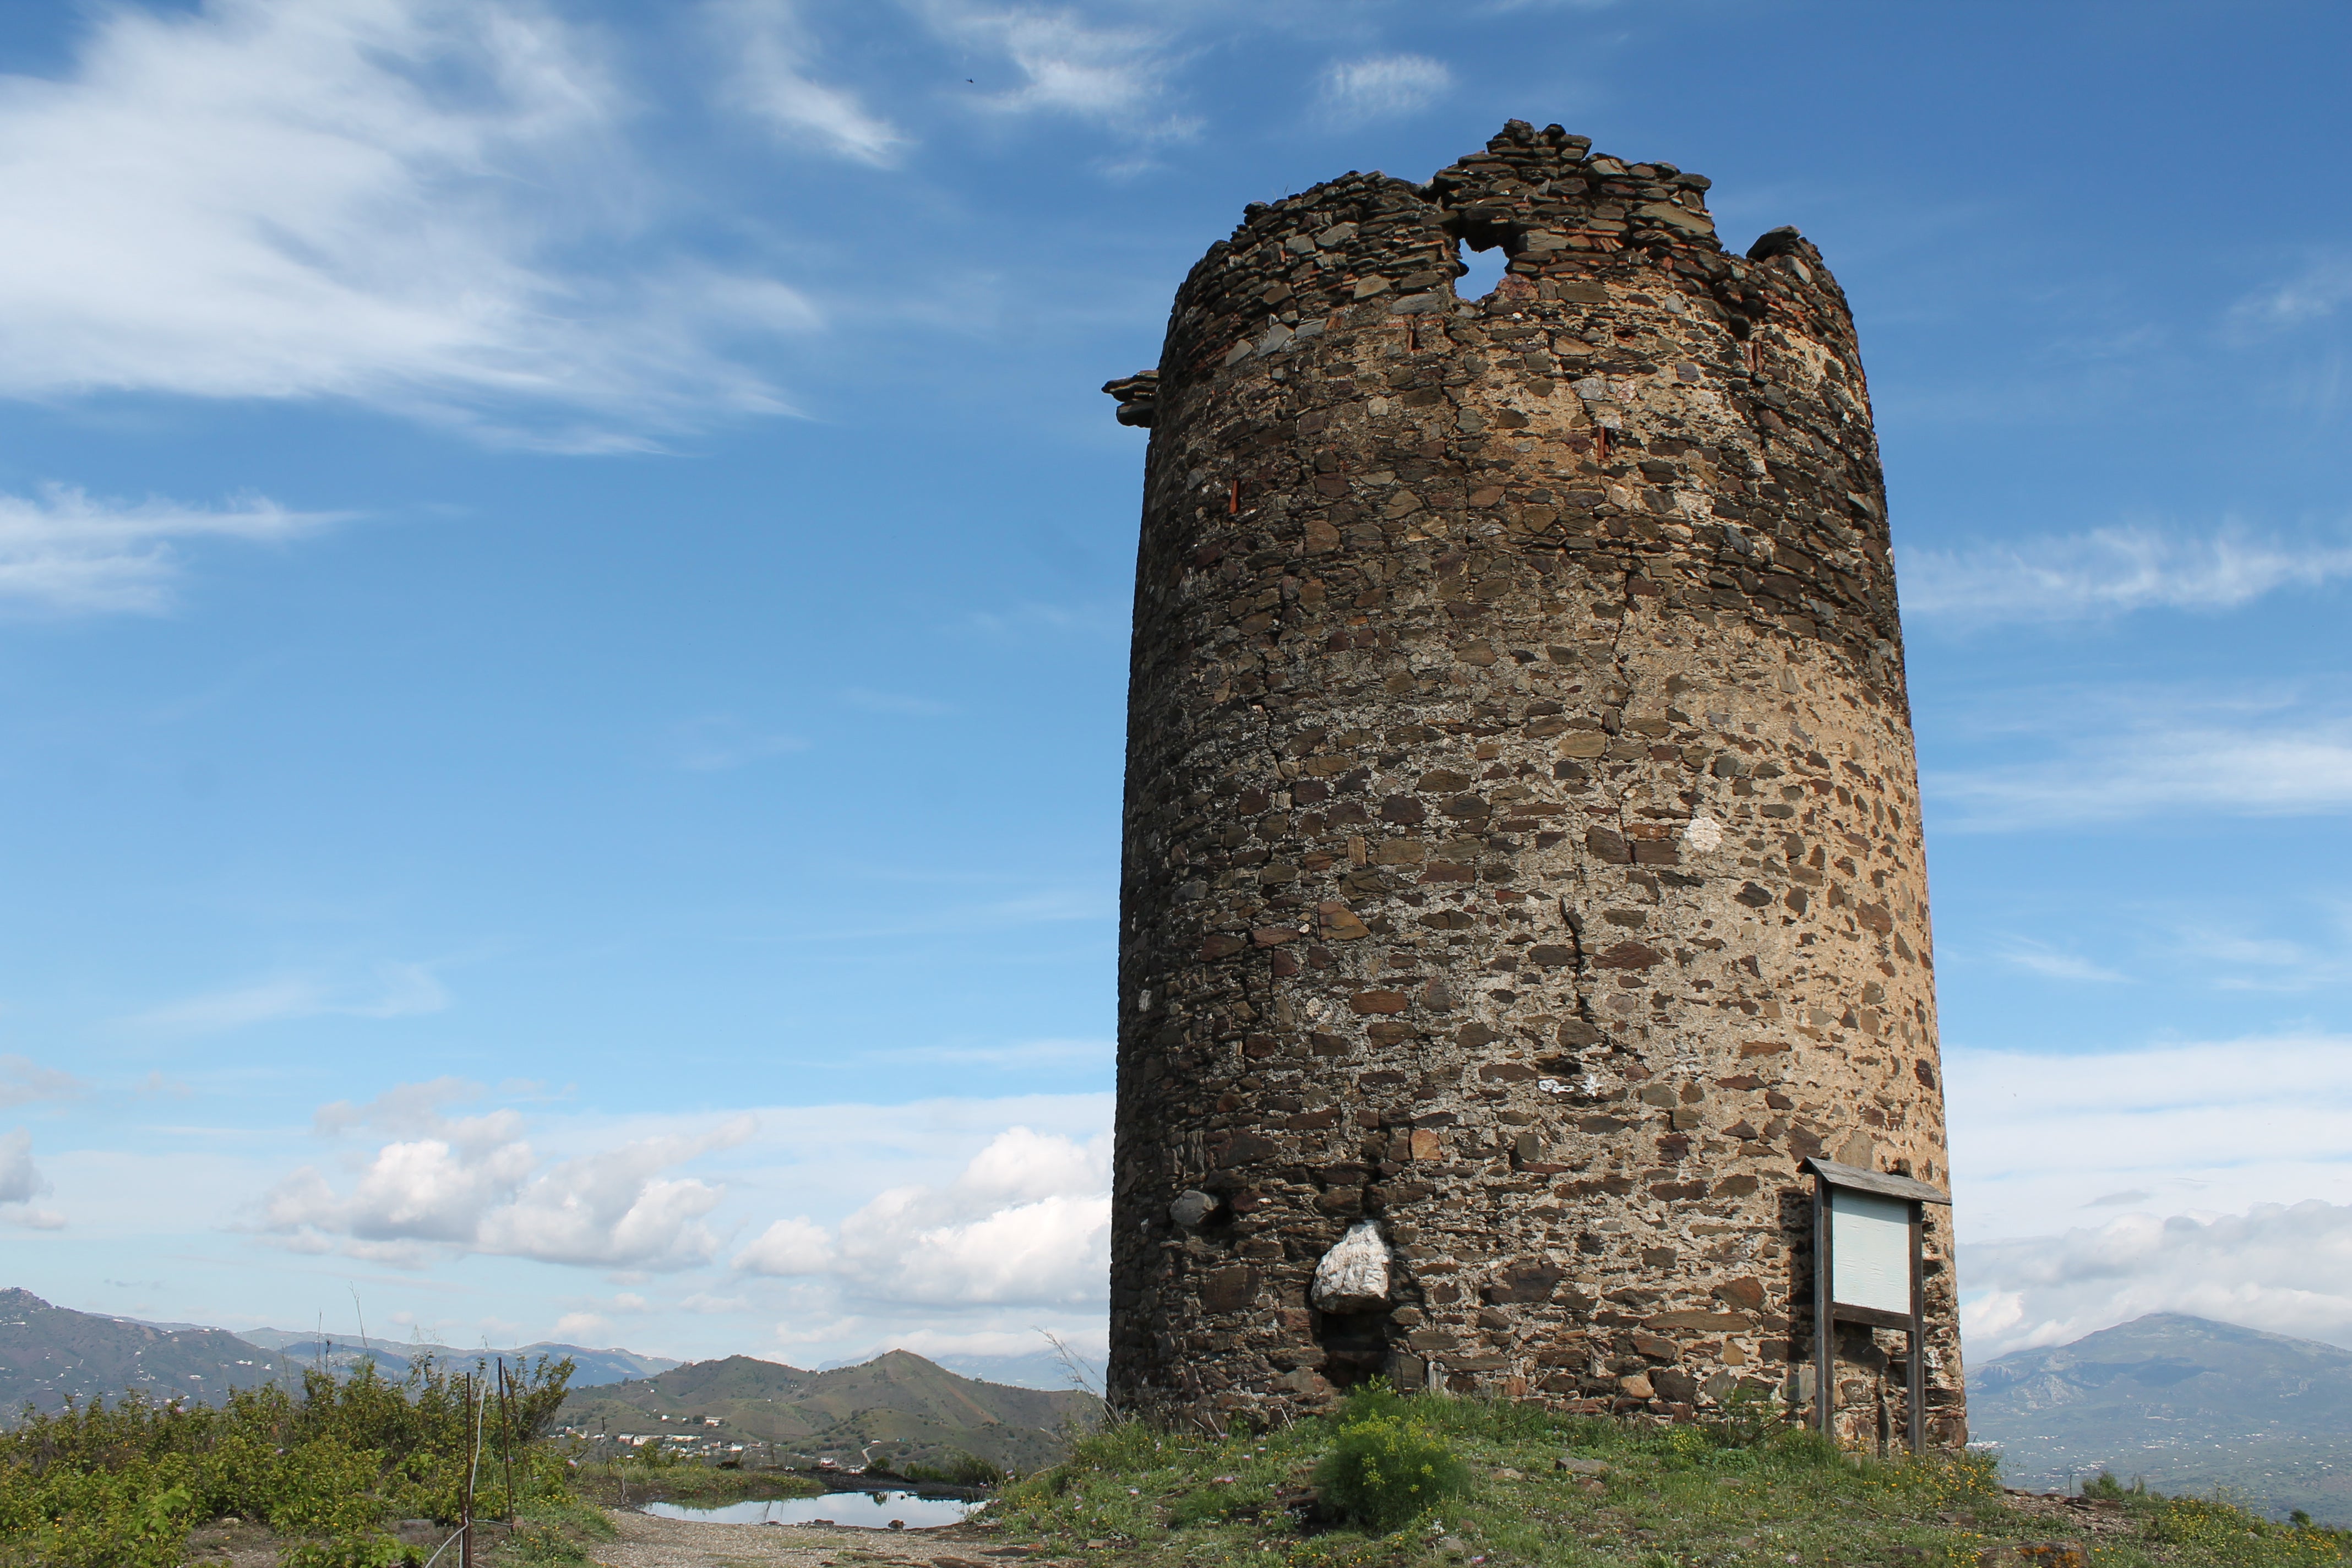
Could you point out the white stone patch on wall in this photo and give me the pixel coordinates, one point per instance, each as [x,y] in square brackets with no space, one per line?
[1353,1276]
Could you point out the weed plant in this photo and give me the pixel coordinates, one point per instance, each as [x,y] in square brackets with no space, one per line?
[1384,1470]
[1542,1490]
[121,1485]
[960,1469]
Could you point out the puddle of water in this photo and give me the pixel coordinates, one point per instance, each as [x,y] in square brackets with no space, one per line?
[859,1511]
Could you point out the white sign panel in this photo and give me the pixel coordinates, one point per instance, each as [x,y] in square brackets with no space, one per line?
[1870,1251]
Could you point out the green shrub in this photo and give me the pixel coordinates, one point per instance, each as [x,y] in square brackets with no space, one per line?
[1384,1471]
[120,1485]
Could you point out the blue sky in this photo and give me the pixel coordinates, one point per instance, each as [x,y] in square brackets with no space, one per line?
[564,583]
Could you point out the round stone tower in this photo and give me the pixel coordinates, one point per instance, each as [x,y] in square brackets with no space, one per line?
[1523,871]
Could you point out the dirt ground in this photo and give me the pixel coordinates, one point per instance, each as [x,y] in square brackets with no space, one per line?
[646,1541]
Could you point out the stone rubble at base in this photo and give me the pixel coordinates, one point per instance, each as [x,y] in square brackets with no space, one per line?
[1522,837]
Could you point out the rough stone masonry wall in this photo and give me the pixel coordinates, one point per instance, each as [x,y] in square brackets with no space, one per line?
[1522,835]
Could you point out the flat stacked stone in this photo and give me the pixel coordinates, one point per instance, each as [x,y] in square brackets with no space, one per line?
[1522,828]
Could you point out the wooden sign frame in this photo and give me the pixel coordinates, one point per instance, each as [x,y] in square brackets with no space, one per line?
[1828,1312]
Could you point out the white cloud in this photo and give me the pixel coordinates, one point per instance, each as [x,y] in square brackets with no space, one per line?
[1027,1221]
[770,82]
[2209,1126]
[61,550]
[2283,1269]
[581,1326]
[413,203]
[394,991]
[787,1248]
[614,1207]
[21,1181]
[472,1185]
[2109,571]
[1381,86]
[23,1081]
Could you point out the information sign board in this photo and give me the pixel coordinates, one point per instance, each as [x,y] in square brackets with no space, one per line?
[1870,1251]
[1867,1263]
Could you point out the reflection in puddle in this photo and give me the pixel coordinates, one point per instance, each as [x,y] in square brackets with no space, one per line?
[860,1510]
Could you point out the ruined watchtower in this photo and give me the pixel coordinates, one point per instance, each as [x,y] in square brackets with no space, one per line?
[1522,830]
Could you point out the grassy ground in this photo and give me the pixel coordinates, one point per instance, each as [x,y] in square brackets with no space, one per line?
[1583,1493]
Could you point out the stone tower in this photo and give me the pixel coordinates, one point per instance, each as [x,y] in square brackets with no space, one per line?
[1522,831]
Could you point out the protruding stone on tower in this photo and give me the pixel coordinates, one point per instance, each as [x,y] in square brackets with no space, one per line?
[1522,863]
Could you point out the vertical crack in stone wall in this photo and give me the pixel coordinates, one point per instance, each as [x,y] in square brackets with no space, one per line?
[1522,832]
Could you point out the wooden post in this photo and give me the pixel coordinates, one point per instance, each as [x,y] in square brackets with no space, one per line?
[1825,1313]
[1885,1298]
[1915,1371]
[506,1434]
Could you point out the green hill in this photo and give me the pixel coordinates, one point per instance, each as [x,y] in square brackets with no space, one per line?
[2187,1402]
[49,1354]
[893,1410]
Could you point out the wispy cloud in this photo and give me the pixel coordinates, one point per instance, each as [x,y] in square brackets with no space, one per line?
[2319,953]
[770,81]
[1021,619]
[904,706]
[392,991]
[1117,77]
[1381,87]
[2321,289]
[1015,1055]
[718,742]
[23,1081]
[2120,756]
[64,553]
[417,205]
[2112,571]
[2052,965]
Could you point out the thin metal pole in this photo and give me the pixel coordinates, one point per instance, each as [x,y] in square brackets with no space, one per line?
[473,1470]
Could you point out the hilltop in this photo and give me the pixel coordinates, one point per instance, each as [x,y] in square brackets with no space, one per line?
[2187,1402]
[49,1354]
[893,1410]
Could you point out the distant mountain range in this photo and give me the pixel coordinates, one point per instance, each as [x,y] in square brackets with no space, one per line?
[49,1354]
[2186,1402]
[895,1410]
[589,1367]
